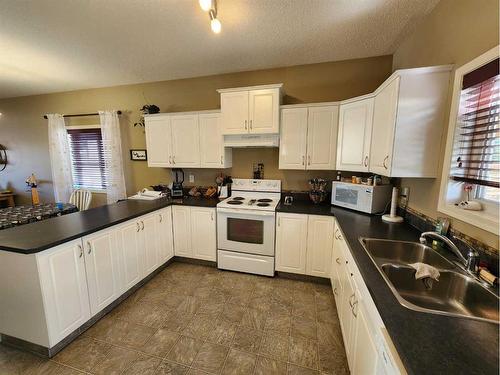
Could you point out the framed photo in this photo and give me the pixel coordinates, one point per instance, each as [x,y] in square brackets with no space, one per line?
[140,155]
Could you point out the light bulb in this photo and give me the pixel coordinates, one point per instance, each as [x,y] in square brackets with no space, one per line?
[215,25]
[206,5]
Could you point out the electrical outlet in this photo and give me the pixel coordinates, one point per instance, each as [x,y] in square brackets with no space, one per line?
[404,196]
[191,177]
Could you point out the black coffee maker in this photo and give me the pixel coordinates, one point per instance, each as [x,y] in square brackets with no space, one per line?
[177,191]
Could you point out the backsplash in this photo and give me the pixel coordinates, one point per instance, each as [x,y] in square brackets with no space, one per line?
[489,255]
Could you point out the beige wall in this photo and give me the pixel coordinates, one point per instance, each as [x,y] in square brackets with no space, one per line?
[455,32]
[24,132]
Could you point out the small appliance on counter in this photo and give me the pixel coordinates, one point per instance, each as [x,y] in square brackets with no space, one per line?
[177,191]
[149,195]
[223,186]
[364,198]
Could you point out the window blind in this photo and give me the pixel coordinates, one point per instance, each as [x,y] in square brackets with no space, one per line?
[476,151]
[87,158]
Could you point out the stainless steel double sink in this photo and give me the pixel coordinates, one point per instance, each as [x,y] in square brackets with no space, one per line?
[455,294]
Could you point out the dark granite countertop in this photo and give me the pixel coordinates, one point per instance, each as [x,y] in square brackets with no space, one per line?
[35,237]
[426,343]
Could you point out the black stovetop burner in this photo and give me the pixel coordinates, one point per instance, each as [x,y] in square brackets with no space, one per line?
[264,200]
[238,198]
[263,204]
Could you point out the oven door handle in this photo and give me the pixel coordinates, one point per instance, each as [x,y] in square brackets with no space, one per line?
[247,212]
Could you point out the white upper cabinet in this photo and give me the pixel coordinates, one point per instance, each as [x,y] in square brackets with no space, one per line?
[234,111]
[203,229]
[158,141]
[264,111]
[322,137]
[185,141]
[308,138]
[408,118]
[102,264]
[253,110]
[293,138]
[355,133]
[64,288]
[213,154]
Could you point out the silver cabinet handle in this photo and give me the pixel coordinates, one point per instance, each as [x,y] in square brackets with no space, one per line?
[81,250]
[366,161]
[173,159]
[246,124]
[142,224]
[335,291]
[251,124]
[170,159]
[221,160]
[138,226]
[385,159]
[89,246]
[338,261]
[309,158]
[161,218]
[303,160]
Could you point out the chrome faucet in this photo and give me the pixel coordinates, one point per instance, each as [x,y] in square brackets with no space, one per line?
[471,263]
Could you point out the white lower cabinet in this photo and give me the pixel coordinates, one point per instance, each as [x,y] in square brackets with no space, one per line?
[203,231]
[304,244]
[131,253]
[149,240]
[64,289]
[195,232]
[102,266]
[361,325]
[165,235]
[291,243]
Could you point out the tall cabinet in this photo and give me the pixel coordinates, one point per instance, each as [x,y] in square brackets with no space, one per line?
[308,137]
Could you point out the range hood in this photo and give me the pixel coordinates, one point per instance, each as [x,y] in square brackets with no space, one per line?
[252,140]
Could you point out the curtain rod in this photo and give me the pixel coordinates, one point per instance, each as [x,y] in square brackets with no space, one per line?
[83,114]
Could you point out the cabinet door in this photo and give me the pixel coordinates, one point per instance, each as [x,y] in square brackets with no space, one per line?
[319,245]
[337,268]
[203,233]
[150,240]
[64,287]
[291,243]
[101,261]
[158,141]
[234,112]
[129,238]
[185,141]
[165,236]
[355,131]
[264,106]
[365,355]
[293,138]
[347,317]
[384,122]
[322,137]
[181,216]
[211,141]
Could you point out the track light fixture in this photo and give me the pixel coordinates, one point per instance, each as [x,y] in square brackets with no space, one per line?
[210,6]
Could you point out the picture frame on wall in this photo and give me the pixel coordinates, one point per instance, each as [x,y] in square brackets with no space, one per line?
[138,155]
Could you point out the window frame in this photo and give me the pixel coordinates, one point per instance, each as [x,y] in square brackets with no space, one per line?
[78,127]
[488,218]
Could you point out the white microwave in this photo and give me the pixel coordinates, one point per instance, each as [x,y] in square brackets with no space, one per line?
[364,198]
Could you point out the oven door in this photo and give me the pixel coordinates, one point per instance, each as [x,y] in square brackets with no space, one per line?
[246,231]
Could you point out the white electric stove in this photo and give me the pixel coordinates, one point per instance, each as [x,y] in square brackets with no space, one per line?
[246,224]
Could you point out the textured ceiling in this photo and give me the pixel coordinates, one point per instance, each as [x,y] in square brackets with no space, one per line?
[60,45]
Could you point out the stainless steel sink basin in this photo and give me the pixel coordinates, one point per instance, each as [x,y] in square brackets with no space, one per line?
[402,252]
[455,294]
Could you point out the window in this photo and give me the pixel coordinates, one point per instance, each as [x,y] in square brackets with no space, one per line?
[472,162]
[87,158]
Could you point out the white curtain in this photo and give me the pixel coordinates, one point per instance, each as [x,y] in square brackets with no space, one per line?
[60,158]
[112,143]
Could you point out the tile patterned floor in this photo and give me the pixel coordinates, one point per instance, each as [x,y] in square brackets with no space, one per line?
[192,319]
